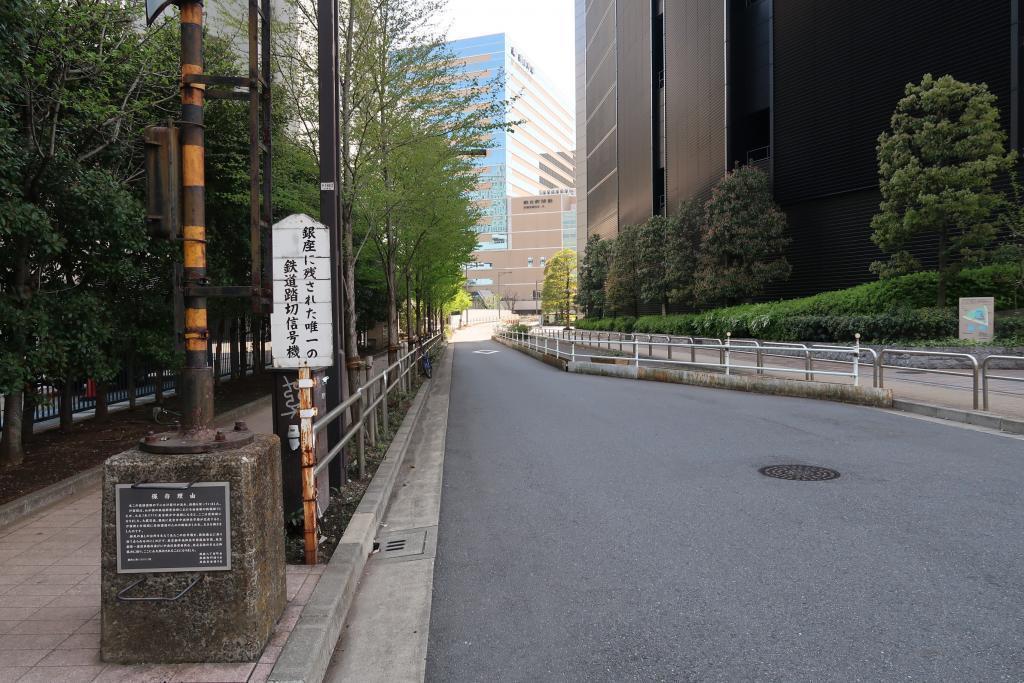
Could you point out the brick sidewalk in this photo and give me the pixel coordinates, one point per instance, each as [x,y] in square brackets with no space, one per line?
[50,605]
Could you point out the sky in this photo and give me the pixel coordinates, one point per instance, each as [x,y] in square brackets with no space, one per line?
[542,29]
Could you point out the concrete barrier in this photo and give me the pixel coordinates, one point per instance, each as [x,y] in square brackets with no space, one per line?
[553,361]
[773,386]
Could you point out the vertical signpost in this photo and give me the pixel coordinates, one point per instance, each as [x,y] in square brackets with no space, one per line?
[302,331]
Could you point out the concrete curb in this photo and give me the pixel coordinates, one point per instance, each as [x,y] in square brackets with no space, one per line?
[972,417]
[308,650]
[773,386]
[244,409]
[559,363]
[18,509]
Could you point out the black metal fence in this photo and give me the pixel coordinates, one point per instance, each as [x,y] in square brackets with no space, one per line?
[119,390]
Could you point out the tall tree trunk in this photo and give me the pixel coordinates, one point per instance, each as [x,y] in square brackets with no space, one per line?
[12,452]
[67,390]
[101,401]
[348,254]
[392,304]
[158,386]
[408,302]
[30,399]
[419,314]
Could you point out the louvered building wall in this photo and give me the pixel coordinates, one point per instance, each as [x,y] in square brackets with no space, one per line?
[836,71]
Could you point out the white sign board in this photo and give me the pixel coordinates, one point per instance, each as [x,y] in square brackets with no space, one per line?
[301,325]
[977,318]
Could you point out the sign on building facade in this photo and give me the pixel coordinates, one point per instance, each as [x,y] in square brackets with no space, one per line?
[301,325]
[977,318]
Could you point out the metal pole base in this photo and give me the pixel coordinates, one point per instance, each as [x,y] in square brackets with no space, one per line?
[197,441]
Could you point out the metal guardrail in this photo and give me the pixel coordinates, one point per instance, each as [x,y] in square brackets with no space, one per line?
[880,365]
[728,348]
[985,376]
[564,345]
[364,405]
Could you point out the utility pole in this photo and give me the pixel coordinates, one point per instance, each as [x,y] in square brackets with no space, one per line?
[329,141]
[196,377]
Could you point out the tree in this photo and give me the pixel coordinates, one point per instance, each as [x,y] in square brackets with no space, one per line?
[682,250]
[559,291]
[79,82]
[623,286]
[936,167]
[510,298]
[744,241]
[593,271]
[655,238]
[1011,223]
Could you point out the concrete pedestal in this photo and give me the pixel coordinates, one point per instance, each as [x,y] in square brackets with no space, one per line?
[229,615]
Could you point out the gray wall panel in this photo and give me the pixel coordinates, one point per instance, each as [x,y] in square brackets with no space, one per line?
[633,46]
[695,97]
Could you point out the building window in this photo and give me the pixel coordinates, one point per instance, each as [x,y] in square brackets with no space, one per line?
[542,261]
[529,262]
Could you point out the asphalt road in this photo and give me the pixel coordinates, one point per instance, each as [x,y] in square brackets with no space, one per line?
[600,529]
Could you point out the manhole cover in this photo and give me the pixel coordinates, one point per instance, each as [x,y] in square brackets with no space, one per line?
[799,472]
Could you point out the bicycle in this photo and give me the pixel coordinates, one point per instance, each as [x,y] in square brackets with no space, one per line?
[425,366]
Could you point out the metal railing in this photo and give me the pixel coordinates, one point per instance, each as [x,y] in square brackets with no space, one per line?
[363,405]
[985,376]
[979,370]
[880,365]
[565,344]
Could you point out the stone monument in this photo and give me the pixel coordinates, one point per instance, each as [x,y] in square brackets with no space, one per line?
[193,566]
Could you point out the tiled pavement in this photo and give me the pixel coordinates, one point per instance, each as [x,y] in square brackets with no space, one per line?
[50,605]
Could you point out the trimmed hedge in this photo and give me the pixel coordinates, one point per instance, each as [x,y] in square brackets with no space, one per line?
[888,310]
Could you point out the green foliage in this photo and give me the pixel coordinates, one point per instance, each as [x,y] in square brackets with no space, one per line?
[559,290]
[1011,248]
[744,240]
[894,309]
[682,249]
[936,167]
[656,241]
[623,286]
[593,271]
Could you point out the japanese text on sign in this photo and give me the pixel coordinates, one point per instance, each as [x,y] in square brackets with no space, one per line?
[173,527]
[301,324]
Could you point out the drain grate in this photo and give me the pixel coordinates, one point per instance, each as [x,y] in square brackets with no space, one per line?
[799,472]
[401,543]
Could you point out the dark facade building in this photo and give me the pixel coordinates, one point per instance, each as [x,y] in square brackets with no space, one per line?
[677,92]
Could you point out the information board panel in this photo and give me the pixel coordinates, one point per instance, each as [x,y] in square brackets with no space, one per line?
[977,318]
[173,527]
[301,326]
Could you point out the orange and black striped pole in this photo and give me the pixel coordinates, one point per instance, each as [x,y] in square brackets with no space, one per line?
[197,378]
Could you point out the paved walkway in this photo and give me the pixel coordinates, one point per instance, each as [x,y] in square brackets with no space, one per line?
[50,602]
[598,529]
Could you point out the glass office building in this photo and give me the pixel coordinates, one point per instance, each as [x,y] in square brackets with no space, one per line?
[535,156]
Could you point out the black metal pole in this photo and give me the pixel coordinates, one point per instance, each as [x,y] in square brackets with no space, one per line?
[329,141]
